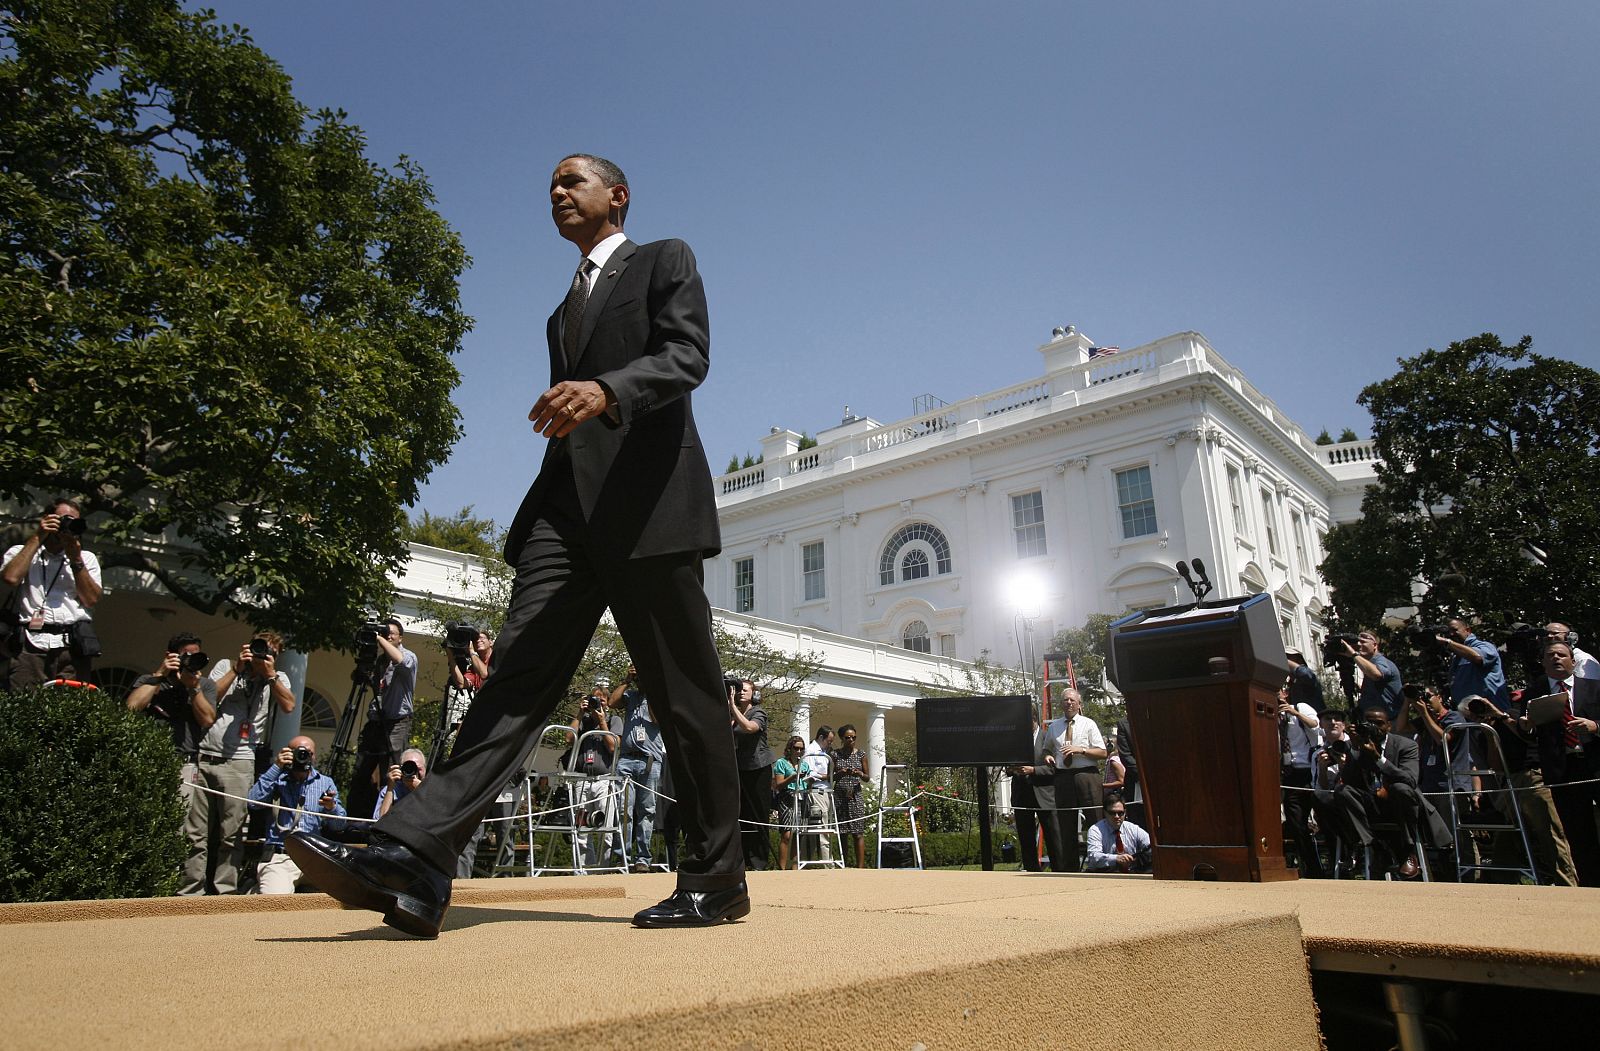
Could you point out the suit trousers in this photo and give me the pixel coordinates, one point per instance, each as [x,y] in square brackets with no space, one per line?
[563,585]
[1079,793]
[1297,805]
[1034,815]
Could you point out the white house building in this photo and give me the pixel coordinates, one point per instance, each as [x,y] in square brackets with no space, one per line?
[986,525]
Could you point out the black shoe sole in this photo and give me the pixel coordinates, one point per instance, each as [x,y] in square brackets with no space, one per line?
[737,912]
[400,911]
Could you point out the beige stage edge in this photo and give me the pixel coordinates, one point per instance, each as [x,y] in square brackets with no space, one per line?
[827,959]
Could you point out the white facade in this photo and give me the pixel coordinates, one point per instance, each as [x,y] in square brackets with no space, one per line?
[1083,486]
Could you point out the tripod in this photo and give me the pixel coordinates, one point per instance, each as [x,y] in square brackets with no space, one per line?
[354,704]
[452,709]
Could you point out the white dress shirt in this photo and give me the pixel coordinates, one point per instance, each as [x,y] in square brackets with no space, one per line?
[1102,844]
[51,586]
[1084,733]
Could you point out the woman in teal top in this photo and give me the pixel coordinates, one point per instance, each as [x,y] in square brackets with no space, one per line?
[789,777]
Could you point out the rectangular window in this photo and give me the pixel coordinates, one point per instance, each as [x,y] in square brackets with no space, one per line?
[1286,625]
[1269,524]
[1136,500]
[1027,522]
[1300,555]
[811,570]
[1236,498]
[744,585]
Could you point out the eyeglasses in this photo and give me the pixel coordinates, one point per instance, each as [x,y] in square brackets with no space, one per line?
[1117,813]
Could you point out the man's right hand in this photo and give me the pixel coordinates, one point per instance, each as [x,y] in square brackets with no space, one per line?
[169,666]
[394,776]
[286,757]
[50,523]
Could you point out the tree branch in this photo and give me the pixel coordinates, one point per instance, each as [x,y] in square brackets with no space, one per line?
[188,596]
[64,273]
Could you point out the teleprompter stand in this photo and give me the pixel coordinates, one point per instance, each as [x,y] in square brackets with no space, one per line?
[1201,684]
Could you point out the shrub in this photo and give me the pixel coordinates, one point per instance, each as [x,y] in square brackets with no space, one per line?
[89,804]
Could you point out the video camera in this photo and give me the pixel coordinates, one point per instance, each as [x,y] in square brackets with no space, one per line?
[1425,637]
[459,638]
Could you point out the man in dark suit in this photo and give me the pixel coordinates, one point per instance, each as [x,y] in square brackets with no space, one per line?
[1569,754]
[1380,783]
[621,514]
[1033,802]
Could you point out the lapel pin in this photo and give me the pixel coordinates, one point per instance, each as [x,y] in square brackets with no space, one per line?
[611,273]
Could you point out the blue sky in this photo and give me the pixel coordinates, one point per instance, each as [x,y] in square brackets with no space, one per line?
[895,198]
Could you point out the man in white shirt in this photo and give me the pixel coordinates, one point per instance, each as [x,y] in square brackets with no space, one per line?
[1299,736]
[56,582]
[1115,843]
[1584,665]
[1078,746]
[819,758]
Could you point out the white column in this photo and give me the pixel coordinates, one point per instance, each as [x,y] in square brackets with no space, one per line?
[286,725]
[802,719]
[877,747]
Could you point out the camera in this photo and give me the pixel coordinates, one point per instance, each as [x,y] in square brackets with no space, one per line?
[1425,637]
[192,662]
[1333,647]
[72,524]
[302,760]
[409,768]
[1371,731]
[460,635]
[260,648]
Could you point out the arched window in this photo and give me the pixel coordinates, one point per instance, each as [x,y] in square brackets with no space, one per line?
[915,637]
[316,712]
[914,566]
[924,541]
[117,683]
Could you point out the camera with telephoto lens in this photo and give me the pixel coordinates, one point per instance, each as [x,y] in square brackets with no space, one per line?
[302,760]
[72,524]
[1371,731]
[409,768]
[192,662]
[1425,637]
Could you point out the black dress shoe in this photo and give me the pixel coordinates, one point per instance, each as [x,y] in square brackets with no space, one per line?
[698,908]
[385,876]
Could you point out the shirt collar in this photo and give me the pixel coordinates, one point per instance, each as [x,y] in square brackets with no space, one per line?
[602,251]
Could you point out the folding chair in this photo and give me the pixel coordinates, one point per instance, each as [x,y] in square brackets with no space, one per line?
[544,764]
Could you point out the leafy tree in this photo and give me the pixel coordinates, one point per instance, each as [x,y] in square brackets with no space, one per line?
[1086,646]
[806,442]
[733,464]
[224,325]
[1348,435]
[460,532]
[1485,448]
[1324,438]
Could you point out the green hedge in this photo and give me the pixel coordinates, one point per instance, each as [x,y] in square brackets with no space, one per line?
[89,803]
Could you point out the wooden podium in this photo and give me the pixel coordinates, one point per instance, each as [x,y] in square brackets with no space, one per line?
[1201,683]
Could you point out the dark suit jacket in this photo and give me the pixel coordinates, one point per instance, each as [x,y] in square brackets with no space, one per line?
[643,483]
[1558,766]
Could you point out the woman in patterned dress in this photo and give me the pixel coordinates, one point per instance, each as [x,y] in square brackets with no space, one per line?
[849,773]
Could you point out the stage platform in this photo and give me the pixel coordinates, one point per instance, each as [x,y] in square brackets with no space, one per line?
[846,959]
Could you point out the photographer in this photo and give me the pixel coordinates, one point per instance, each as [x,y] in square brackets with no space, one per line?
[476,658]
[595,798]
[1380,679]
[402,779]
[1298,739]
[48,632]
[1584,664]
[1304,686]
[388,727]
[1516,760]
[1116,844]
[309,801]
[247,690]
[643,757]
[754,757]
[179,694]
[1475,667]
[1380,783]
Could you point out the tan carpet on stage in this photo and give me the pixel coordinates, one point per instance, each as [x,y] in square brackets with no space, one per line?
[827,959]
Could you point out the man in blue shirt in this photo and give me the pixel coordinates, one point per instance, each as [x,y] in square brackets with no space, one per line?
[644,755]
[309,802]
[1380,679]
[388,726]
[1475,669]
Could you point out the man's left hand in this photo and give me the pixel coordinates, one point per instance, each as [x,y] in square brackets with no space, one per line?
[328,801]
[567,404]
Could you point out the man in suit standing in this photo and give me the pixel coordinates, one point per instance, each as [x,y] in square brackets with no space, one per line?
[1033,801]
[621,514]
[1569,753]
